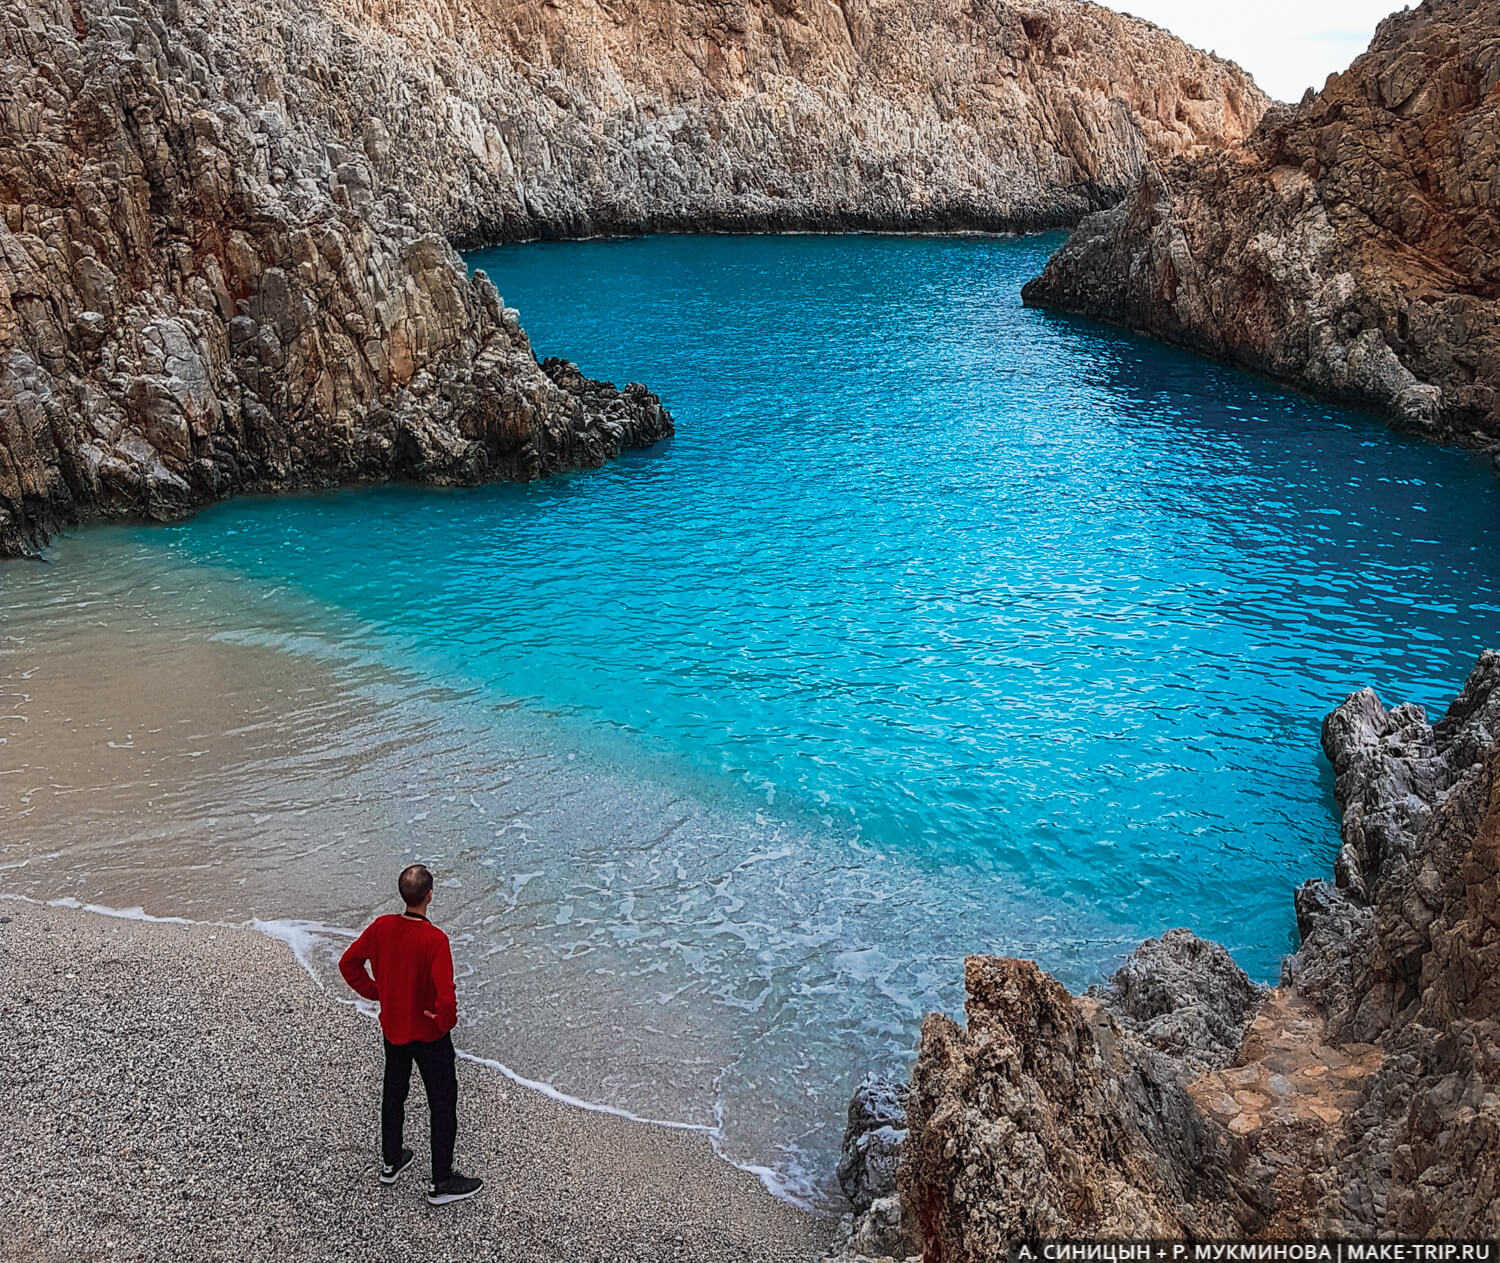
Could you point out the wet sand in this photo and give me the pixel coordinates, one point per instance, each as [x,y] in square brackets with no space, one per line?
[188,1092]
[175,741]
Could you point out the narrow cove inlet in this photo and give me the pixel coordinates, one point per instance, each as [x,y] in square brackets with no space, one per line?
[942,625]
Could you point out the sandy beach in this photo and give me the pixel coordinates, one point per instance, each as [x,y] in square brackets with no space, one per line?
[188,1092]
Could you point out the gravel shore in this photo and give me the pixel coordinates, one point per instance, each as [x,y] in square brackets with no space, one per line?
[188,1092]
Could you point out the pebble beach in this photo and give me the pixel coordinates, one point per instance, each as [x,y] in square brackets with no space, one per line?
[188,1092]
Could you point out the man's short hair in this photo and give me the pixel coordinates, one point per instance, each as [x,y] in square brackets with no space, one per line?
[414,883]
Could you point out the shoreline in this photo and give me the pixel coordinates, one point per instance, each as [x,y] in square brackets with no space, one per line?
[185,1091]
[296,935]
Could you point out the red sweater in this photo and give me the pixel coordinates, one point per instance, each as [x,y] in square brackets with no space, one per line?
[413,968]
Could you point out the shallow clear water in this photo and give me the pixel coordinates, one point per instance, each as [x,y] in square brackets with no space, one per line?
[942,625]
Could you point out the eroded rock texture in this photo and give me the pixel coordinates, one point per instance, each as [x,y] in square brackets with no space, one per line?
[1185,997]
[1395,773]
[1351,247]
[195,300]
[1422,967]
[873,1140]
[1361,1098]
[1050,1115]
[512,118]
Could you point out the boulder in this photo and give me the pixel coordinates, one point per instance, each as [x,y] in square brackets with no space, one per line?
[1187,998]
[872,1141]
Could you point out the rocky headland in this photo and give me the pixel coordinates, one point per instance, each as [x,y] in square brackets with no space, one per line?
[1350,248]
[224,249]
[1360,1097]
[192,303]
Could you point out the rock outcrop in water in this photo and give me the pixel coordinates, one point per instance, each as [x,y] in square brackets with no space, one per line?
[1361,1097]
[1350,248]
[192,303]
[220,260]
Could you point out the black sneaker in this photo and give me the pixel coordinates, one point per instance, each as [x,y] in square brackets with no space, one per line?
[391,1170]
[454,1189]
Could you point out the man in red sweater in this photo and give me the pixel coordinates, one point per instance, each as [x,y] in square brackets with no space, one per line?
[412,968]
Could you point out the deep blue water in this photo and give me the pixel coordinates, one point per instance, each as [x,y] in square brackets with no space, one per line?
[997,631]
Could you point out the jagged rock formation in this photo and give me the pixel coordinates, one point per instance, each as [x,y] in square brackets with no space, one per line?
[219,260]
[1421,969]
[1350,248]
[873,1139]
[1360,1098]
[873,1136]
[188,307]
[1185,997]
[505,119]
[1049,1116]
[1393,771]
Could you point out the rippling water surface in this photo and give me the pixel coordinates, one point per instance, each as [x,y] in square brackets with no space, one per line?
[942,625]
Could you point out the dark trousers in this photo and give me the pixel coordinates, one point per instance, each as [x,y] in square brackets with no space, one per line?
[435,1060]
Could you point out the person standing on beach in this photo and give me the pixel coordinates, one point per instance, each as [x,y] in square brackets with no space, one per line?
[403,963]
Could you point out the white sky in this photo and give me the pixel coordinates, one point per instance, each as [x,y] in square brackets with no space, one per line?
[1288,45]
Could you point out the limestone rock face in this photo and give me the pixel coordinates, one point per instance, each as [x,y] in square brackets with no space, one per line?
[1351,247]
[1046,1117]
[194,300]
[506,119]
[1422,972]
[1395,774]
[1421,1157]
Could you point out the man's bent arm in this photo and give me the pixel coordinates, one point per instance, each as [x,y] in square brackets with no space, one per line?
[352,966]
[445,1008]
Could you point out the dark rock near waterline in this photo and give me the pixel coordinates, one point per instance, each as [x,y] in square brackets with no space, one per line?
[1388,772]
[1351,247]
[1394,771]
[1185,997]
[1421,1157]
[1468,732]
[1331,925]
[872,1141]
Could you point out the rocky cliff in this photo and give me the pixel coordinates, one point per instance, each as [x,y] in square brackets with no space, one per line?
[1361,1097]
[190,305]
[223,262]
[505,119]
[1350,248]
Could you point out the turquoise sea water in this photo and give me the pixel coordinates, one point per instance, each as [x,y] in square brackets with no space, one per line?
[941,625]
[993,588]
